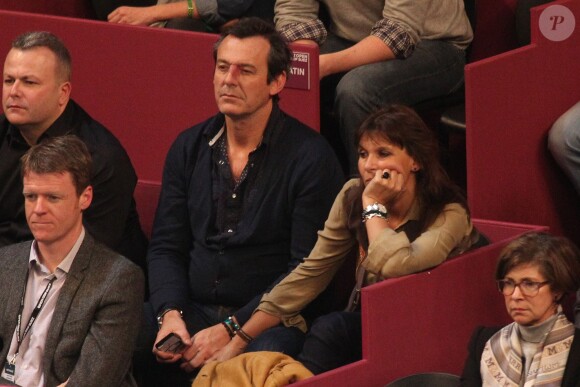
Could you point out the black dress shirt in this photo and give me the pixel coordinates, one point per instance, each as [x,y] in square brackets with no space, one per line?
[112,216]
[196,252]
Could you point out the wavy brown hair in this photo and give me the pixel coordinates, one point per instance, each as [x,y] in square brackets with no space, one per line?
[402,126]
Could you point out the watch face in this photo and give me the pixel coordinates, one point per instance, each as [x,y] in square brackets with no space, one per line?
[375,207]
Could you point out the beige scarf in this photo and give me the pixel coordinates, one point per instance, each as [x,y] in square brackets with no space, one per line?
[501,362]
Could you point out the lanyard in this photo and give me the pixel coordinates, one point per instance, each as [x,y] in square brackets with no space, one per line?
[33,316]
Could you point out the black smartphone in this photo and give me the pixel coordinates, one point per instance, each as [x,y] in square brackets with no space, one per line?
[171,343]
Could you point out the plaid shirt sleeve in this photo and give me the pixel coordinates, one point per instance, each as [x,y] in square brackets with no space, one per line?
[311,30]
[394,36]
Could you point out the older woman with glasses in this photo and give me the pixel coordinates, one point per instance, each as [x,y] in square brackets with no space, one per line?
[541,347]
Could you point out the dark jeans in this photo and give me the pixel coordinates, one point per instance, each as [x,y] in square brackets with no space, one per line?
[334,340]
[149,372]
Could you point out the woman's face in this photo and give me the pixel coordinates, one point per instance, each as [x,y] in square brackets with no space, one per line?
[530,310]
[376,153]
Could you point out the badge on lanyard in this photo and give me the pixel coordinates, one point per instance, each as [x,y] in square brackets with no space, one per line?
[9,371]
[10,366]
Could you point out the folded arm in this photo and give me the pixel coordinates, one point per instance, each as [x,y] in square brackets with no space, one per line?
[212,12]
[144,16]
[391,254]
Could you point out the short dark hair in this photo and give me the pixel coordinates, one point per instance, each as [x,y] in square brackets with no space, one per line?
[557,258]
[35,39]
[59,155]
[402,126]
[279,56]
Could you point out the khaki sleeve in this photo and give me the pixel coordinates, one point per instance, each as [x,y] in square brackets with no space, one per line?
[311,277]
[393,255]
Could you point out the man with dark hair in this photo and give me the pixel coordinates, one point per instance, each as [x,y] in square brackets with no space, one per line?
[37,105]
[70,307]
[243,196]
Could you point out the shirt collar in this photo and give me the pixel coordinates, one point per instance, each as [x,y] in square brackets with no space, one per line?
[218,135]
[66,263]
[14,138]
[60,127]
[214,134]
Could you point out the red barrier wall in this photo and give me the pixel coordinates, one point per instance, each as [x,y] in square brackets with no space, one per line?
[72,8]
[511,102]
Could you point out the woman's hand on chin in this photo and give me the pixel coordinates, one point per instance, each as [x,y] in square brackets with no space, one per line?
[383,190]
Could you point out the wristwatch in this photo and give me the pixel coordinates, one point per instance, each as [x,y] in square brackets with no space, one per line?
[164,312]
[375,209]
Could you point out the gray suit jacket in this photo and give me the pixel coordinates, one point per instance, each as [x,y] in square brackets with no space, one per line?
[96,320]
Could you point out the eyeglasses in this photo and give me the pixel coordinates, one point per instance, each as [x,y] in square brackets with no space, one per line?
[527,287]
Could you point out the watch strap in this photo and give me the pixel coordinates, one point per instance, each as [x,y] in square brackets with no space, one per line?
[375,210]
[164,312]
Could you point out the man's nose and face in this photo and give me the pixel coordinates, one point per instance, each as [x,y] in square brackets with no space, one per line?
[53,206]
[33,91]
[241,76]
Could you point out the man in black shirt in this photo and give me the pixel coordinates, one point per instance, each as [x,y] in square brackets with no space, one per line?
[243,196]
[36,102]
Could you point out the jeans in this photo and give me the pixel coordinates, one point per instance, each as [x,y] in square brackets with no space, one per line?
[434,69]
[564,144]
[149,372]
[334,340]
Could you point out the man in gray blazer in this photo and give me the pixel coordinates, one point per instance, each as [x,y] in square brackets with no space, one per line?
[70,308]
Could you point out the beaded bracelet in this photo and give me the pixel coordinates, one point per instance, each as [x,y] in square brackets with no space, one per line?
[231,325]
